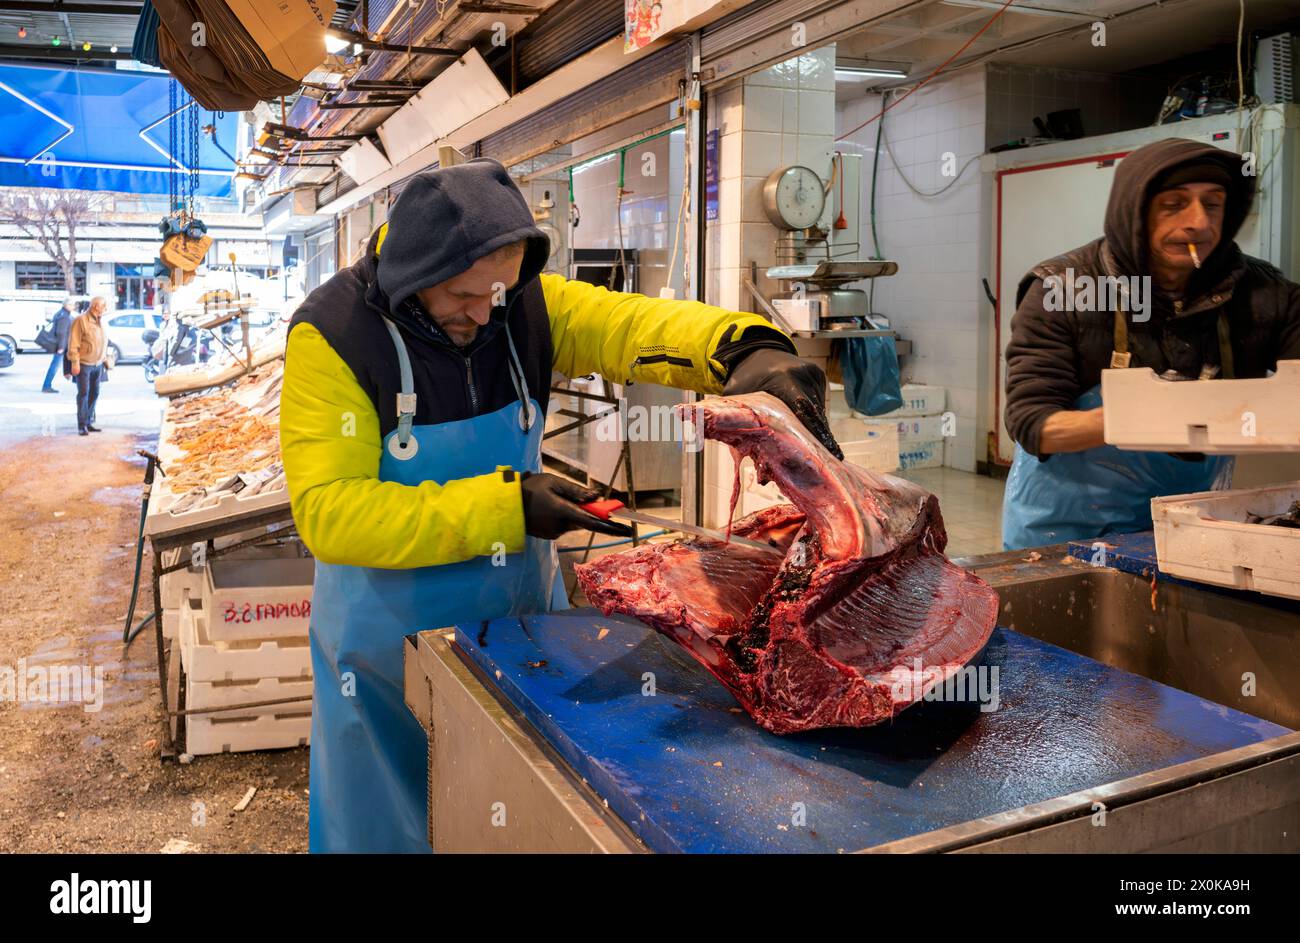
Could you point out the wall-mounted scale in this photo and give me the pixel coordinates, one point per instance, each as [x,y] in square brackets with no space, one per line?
[815,262]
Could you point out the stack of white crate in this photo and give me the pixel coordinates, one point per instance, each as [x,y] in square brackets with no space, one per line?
[865,442]
[918,424]
[243,640]
[175,586]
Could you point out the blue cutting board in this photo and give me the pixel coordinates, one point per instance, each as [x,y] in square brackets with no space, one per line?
[1132,553]
[689,772]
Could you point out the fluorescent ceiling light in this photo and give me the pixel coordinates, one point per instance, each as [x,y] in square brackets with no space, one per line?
[334,45]
[858,74]
[603,158]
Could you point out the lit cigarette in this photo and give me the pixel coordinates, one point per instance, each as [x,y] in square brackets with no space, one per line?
[1196,259]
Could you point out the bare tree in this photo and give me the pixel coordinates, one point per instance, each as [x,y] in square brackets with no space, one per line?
[51,219]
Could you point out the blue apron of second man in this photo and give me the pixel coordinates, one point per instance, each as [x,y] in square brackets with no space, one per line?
[415,390]
[1234,316]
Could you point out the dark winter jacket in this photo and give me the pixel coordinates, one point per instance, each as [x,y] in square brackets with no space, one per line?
[60,325]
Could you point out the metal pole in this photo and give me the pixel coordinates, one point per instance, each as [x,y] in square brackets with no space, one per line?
[693,461]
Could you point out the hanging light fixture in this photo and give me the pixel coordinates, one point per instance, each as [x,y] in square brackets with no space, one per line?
[112,49]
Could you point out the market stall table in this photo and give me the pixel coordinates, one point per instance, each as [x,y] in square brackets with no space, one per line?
[549,717]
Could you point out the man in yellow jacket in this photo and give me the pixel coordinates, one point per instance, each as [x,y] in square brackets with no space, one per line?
[415,389]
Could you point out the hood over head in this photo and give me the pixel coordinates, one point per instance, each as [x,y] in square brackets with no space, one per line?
[446,220]
[1156,166]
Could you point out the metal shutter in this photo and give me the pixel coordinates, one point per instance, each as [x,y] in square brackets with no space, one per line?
[563,34]
[647,83]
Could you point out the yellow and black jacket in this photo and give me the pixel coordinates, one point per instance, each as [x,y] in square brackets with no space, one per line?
[341,383]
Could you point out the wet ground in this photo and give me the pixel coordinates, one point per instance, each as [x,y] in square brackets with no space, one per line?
[83,773]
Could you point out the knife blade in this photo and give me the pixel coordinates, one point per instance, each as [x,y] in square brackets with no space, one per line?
[612,507]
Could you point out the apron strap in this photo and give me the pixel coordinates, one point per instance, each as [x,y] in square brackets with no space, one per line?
[521,387]
[1120,356]
[1226,370]
[405,398]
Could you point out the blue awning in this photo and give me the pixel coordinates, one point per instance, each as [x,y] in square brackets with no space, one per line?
[95,130]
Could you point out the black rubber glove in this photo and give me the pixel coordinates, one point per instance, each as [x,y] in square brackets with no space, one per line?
[551,508]
[797,383]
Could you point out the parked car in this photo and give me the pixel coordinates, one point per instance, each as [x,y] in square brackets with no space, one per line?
[23,312]
[125,330]
[6,353]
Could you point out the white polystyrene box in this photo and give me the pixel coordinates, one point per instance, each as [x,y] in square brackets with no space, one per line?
[920,454]
[919,399]
[912,430]
[876,449]
[1217,417]
[258,598]
[1204,537]
[206,659]
[205,734]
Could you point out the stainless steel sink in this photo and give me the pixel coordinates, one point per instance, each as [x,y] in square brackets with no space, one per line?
[1205,642]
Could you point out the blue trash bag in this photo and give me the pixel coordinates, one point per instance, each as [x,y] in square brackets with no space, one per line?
[870,368]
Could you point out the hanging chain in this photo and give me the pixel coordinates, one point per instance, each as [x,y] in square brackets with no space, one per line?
[172,143]
[194,159]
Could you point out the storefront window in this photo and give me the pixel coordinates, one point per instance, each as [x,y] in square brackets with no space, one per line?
[47,276]
[134,286]
[320,259]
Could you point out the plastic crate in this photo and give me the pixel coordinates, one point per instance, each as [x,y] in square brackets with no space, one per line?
[1205,537]
[1217,417]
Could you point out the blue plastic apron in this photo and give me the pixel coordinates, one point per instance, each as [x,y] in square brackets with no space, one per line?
[368,753]
[1104,490]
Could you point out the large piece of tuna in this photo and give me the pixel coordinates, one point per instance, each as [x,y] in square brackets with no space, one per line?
[857,616]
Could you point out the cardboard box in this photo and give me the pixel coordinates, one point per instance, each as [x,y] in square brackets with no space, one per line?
[291,33]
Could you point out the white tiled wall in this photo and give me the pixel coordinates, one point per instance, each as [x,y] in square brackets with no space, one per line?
[1107,103]
[781,115]
[936,300]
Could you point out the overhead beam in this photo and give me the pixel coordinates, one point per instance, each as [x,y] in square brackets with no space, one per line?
[15,51]
[93,9]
